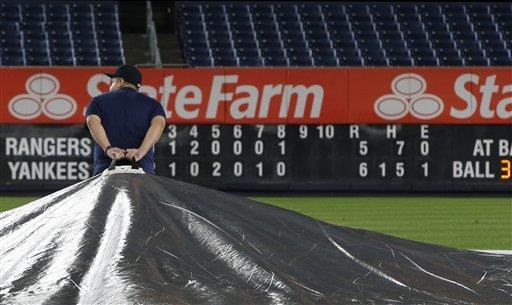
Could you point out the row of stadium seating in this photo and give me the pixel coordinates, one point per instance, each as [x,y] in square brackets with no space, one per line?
[260,34]
[336,34]
[60,34]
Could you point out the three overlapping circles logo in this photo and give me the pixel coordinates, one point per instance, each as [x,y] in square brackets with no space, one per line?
[408,97]
[42,98]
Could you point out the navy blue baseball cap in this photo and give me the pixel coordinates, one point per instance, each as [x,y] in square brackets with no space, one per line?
[129,73]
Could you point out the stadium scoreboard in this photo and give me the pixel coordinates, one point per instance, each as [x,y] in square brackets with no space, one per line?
[397,157]
[288,157]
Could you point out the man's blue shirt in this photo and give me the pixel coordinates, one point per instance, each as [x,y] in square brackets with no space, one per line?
[126,116]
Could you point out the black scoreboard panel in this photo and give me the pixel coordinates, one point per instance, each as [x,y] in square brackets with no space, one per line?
[339,157]
[433,158]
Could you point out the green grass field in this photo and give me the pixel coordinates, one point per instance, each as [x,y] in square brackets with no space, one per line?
[470,223]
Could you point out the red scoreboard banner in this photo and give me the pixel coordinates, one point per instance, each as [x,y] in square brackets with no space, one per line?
[47,95]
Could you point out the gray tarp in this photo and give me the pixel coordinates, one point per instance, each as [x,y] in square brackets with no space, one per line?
[131,238]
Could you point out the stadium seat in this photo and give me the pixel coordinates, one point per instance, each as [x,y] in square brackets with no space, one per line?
[13,60]
[38,61]
[111,61]
[87,60]
[276,61]
[325,61]
[501,61]
[250,61]
[201,61]
[10,12]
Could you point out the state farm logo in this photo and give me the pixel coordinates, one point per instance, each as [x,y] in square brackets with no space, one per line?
[408,97]
[42,97]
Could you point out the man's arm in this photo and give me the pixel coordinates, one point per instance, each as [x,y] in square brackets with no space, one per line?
[100,136]
[152,135]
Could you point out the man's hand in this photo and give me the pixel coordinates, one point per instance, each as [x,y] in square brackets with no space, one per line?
[152,135]
[116,153]
[134,153]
